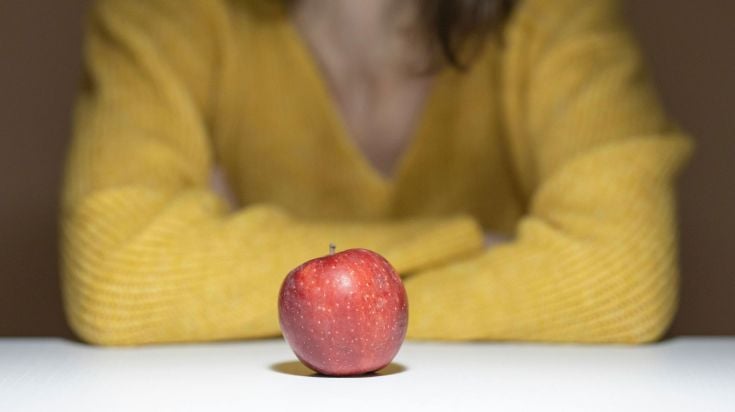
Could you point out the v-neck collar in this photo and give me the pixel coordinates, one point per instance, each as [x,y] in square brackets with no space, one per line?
[341,138]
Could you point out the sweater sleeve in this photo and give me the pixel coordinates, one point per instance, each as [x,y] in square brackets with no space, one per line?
[595,257]
[150,253]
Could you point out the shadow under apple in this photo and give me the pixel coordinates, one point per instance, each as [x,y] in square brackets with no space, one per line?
[297,368]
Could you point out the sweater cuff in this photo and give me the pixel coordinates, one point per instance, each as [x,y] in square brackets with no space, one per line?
[448,241]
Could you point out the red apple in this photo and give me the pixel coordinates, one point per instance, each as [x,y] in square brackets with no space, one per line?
[344,313]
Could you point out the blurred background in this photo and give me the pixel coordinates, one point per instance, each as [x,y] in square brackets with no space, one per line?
[690,49]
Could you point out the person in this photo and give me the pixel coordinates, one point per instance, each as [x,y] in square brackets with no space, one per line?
[415,129]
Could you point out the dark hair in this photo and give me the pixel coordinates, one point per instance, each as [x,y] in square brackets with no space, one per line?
[455,29]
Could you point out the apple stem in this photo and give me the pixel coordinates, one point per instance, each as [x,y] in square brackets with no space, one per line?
[331,248]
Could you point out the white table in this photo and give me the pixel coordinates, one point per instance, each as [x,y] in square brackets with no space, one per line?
[683,374]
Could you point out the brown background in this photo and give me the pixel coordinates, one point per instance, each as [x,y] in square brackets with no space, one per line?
[689,44]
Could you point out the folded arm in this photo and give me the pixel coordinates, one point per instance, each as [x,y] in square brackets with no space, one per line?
[150,252]
[595,258]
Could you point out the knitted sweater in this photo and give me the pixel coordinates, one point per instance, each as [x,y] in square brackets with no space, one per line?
[553,137]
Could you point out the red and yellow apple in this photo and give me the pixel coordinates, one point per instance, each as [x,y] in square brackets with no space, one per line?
[345,313]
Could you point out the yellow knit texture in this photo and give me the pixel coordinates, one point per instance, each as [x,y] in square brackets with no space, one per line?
[553,138]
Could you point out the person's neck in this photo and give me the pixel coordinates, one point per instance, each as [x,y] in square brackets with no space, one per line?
[362,36]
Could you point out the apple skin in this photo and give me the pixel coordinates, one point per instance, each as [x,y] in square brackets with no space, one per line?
[345,313]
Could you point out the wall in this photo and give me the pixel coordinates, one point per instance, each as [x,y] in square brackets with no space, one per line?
[690,44]
[691,53]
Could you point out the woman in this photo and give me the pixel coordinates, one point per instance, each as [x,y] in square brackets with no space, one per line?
[409,128]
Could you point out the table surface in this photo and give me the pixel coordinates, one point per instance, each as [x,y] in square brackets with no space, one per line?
[681,374]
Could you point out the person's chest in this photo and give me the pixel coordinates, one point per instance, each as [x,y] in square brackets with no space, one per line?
[282,138]
[379,119]
[374,72]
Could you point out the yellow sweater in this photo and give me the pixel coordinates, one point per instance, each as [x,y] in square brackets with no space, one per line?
[554,138]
